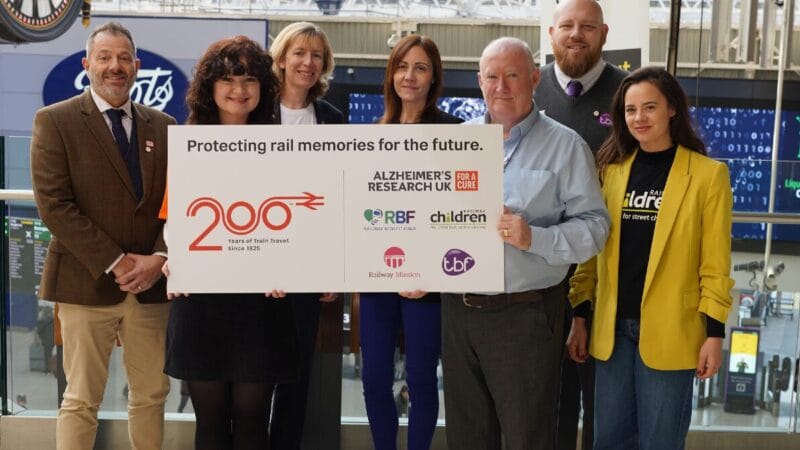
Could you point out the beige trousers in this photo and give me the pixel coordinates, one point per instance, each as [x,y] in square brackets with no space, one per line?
[90,334]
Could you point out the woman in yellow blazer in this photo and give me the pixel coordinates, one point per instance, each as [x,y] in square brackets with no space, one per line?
[661,287]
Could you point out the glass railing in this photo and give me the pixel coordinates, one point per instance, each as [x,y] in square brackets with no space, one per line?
[755,390]
[34,371]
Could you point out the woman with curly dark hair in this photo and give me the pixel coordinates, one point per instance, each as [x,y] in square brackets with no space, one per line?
[231,348]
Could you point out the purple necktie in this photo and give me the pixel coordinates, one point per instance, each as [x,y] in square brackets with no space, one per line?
[574,88]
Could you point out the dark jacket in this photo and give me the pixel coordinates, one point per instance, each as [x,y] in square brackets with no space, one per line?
[440,117]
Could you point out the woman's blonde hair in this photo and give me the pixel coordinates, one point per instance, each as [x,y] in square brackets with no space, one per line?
[282,42]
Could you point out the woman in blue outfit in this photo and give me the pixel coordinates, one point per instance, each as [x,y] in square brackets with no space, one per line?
[302,61]
[661,286]
[411,87]
[231,348]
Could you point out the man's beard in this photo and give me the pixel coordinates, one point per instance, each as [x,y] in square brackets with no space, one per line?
[572,66]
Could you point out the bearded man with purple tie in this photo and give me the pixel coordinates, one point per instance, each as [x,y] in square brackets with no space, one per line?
[99,165]
[576,90]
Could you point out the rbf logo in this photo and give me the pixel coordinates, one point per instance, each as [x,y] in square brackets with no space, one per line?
[376,216]
[394,257]
[373,216]
[455,262]
[466,180]
[272,218]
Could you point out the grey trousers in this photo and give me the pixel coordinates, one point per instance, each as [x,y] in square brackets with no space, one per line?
[501,373]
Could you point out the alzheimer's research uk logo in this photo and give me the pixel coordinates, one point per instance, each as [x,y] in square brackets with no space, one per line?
[466,180]
[159,83]
[455,262]
[394,257]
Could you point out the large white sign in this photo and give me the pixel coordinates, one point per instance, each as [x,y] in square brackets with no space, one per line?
[335,208]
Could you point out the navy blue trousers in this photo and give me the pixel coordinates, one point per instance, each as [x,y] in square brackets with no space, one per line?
[382,315]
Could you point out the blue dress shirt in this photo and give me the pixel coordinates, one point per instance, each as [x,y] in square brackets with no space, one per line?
[551,180]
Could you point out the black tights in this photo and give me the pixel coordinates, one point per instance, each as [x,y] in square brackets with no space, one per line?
[231,415]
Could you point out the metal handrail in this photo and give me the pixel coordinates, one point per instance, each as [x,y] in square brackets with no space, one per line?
[738,217]
[762,217]
[16,194]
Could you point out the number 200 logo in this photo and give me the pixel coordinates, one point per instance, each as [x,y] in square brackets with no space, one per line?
[221,214]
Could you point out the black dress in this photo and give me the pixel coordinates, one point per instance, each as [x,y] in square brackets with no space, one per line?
[231,337]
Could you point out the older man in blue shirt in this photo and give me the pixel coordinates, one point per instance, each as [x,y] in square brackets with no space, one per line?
[502,351]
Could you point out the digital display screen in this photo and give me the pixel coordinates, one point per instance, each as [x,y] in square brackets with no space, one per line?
[741,137]
[368,108]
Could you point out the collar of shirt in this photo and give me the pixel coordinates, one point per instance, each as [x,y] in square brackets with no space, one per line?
[587,80]
[516,133]
[104,106]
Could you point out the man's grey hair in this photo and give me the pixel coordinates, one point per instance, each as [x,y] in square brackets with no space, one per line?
[113,28]
[506,44]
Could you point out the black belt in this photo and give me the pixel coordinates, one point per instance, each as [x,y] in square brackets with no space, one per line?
[490,301]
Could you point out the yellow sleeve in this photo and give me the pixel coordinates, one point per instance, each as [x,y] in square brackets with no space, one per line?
[715,247]
[583,283]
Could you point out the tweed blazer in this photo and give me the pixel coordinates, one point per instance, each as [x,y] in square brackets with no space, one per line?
[688,271]
[86,198]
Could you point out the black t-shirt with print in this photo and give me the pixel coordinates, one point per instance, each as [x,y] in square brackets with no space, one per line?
[640,208]
[639,213]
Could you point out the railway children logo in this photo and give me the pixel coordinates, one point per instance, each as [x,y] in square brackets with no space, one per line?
[458,219]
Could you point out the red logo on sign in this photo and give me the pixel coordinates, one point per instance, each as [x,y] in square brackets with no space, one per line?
[394,257]
[283,203]
[466,180]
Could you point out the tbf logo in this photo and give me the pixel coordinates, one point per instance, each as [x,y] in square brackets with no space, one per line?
[394,257]
[455,262]
[253,217]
